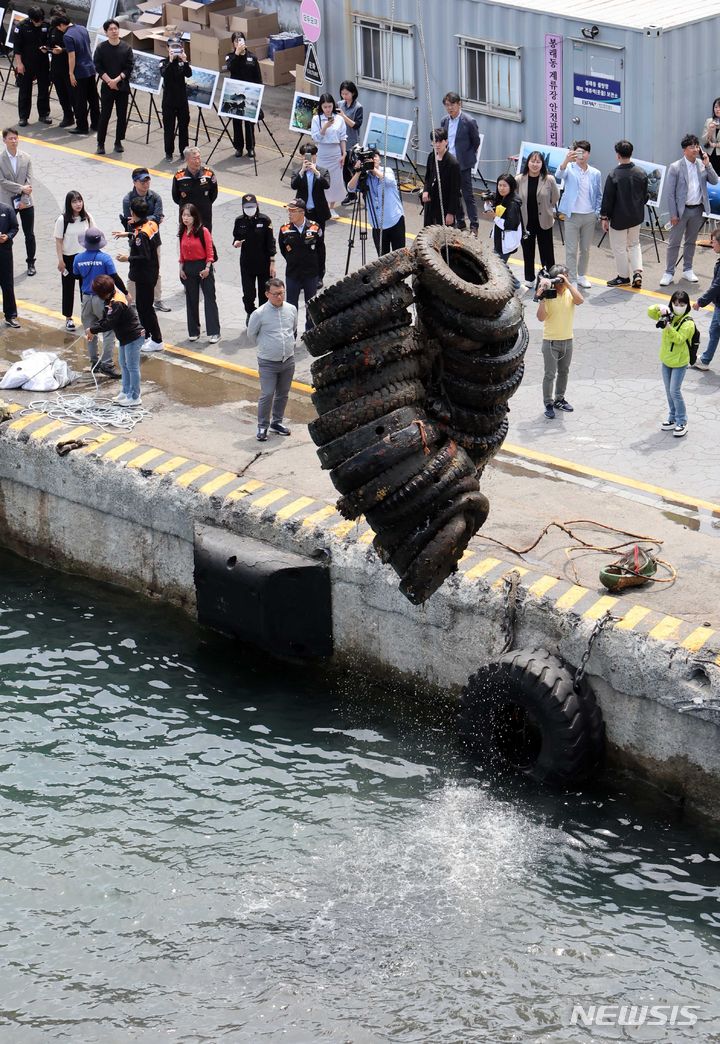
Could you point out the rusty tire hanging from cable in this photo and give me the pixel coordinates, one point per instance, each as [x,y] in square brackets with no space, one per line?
[347,390]
[332,454]
[459,270]
[357,322]
[441,317]
[388,270]
[365,356]
[384,453]
[365,409]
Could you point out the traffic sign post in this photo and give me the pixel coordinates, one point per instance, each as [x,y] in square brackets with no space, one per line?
[313,72]
[310,21]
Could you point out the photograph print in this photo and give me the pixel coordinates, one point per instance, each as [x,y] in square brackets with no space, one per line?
[146,72]
[14,20]
[554,155]
[241,100]
[304,107]
[201,87]
[397,139]
[656,178]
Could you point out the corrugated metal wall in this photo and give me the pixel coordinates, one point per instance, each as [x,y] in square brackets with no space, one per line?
[670,80]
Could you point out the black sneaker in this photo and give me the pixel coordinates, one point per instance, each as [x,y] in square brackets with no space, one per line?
[251,153]
[637,281]
[22,123]
[118,147]
[12,322]
[46,119]
[564,405]
[261,435]
[238,153]
[279,428]
[66,123]
[109,370]
[348,201]
[618,281]
[549,411]
[100,150]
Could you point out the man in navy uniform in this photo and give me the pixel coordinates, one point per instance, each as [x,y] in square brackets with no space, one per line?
[195,183]
[298,241]
[31,43]
[8,231]
[253,237]
[463,142]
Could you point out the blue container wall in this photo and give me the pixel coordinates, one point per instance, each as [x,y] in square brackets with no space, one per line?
[669,80]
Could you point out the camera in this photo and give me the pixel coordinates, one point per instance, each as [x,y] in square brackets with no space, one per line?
[365,157]
[550,291]
[665,317]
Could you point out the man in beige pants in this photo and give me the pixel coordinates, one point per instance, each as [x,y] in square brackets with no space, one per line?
[622,212]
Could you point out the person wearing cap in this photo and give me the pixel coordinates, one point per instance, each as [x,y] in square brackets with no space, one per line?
[92,261]
[31,63]
[298,242]
[141,190]
[113,61]
[243,65]
[143,238]
[273,330]
[195,183]
[310,183]
[175,71]
[253,236]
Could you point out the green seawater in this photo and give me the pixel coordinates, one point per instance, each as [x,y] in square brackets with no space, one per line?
[199,845]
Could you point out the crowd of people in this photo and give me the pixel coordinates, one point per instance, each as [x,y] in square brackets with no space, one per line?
[334,172]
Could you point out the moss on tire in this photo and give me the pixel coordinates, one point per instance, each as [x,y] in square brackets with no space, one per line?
[462,270]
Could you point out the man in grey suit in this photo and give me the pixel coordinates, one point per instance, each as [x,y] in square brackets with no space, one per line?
[16,189]
[687,182]
[463,142]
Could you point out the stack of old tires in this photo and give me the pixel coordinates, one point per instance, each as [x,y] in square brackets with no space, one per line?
[473,324]
[411,470]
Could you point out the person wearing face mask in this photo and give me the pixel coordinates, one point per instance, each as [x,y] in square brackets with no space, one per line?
[243,65]
[678,330]
[253,236]
[538,193]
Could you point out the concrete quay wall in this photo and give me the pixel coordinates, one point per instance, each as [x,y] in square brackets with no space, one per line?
[119,511]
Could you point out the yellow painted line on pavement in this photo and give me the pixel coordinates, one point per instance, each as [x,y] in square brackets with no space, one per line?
[571,597]
[319,516]
[169,465]
[145,458]
[293,507]
[666,628]
[520,570]
[74,433]
[217,483]
[344,528]
[269,498]
[697,638]
[599,608]
[97,443]
[11,407]
[40,433]
[367,537]
[632,618]
[189,476]
[542,586]
[486,566]
[117,451]
[244,490]
[24,422]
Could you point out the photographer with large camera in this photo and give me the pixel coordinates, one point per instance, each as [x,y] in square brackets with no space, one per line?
[381,192]
[557,298]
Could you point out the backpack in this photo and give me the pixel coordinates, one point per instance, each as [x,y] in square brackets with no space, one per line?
[694,343]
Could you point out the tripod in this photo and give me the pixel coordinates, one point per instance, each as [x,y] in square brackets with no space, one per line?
[359,222]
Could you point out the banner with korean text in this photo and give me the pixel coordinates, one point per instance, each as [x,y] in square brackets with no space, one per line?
[553,89]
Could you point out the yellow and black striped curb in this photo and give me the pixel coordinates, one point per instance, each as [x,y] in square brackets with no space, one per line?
[282,505]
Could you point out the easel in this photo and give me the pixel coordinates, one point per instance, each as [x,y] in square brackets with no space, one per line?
[152,108]
[8,81]
[201,119]
[225,124]
[653,223]
[292,154]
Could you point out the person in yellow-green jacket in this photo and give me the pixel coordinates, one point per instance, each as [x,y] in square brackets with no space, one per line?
[678,330]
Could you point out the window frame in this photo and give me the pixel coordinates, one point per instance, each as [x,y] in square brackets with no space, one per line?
[466,43]
[384,26]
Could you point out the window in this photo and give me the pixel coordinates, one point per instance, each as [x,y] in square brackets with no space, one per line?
[384,54]
[490,78]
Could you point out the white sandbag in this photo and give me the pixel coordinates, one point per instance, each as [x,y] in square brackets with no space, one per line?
[15,377]
[34,372]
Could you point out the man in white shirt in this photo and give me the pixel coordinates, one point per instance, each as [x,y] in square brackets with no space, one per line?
[272,328]
[580,205]
[16,190]
[687,196]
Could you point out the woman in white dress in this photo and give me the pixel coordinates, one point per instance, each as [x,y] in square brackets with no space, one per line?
[328,131]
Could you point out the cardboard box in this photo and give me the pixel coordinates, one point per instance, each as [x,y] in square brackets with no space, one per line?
[218,20]
[258,47]
[209,49]
[174,13]
[194,12]
[149,19]
[286,60]
[142,39]
[259,25]
[301,84]
[272,76]
[151,7]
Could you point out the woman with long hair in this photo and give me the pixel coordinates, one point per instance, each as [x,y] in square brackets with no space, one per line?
[507,223]
[678,330]
[710,136]
[538,193]
[72,223]
[196,272]
[352,113]
[329,132]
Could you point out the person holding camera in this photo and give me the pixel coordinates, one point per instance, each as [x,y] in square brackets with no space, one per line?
[175,70]
[441,191]
[329,132]
[580,205]
[687,197]
[381,191]
[678,330]
[557,298]
[710,136]
[311,183]
[243,65]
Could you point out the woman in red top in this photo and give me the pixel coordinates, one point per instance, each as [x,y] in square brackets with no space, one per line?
[196,272]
